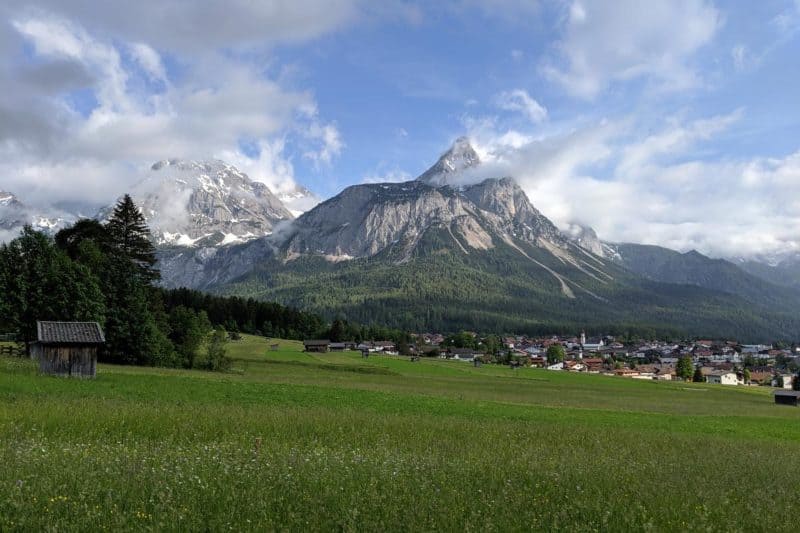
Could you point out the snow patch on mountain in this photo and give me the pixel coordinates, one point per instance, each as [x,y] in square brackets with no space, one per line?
[298,199]
[14,214]
[205,203]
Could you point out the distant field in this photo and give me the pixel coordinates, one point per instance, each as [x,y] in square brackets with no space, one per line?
[300,442]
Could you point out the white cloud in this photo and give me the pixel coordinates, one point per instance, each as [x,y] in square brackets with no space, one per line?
[149,60]
[607,42]
[391,176]
[638,157]
[270,166]
[196,28]
[740,56]
[662,188]
[330,141]
[788,21]
[520,101]
[54,148]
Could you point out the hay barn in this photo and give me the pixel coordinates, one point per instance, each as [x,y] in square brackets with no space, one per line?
[68,348]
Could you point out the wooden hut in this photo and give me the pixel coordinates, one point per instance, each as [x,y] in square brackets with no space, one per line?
[786,397]
[68,348]
[320,346]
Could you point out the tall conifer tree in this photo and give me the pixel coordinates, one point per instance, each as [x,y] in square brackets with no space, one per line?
[130,235]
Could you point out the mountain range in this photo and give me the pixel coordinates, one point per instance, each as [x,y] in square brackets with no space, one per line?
[445,251]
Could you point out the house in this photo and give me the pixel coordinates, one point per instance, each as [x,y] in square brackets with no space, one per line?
[463,354]
[785,379]
[318,346]
[538,362]
[722,377]
[663,374]
[383,346]
[760,376]
[574,366]
[337,346]
[786,397]
[68,348]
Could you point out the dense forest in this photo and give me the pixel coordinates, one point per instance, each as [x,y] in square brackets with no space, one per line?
[442,289]
[107,273]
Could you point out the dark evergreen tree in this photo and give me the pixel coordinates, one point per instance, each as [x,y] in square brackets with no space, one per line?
[132,334]
[39,282]
[188,332]
[129,235]
[71,239]
[698,377]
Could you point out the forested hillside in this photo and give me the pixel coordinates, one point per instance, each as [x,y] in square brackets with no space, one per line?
[440,288]
[106,273]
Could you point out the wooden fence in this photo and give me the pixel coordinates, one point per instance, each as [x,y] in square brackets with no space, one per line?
[11,350]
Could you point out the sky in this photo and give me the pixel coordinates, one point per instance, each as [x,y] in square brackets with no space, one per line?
[669,122]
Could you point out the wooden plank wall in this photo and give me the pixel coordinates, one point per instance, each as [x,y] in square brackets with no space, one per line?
[68,361]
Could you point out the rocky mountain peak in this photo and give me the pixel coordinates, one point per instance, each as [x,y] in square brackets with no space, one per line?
[14,214]
[8,199]
[458,158]
[205,203]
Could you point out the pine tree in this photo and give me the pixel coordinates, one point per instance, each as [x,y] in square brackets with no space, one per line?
[132,333]
[698,375]
[130,236]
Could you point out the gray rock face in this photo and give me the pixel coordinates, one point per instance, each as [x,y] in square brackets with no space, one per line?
[506,200]
[586,238]
[458,158]
[206,267]
[365,219]
[205,203]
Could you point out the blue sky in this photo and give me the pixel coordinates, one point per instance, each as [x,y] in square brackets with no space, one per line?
[666,122]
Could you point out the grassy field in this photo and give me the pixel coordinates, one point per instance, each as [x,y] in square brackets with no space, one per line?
[296,441]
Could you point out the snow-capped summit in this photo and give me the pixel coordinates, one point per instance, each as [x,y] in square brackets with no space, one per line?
[205,203]
[8,199]
[14,214]
[298,199]
[458,158]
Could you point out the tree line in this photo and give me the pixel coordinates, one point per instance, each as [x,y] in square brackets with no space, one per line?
[107,272]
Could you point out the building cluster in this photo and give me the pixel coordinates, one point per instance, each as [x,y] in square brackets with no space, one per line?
[725,362]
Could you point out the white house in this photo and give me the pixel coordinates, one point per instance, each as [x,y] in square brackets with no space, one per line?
[557,366]
[722,377]
[787,381]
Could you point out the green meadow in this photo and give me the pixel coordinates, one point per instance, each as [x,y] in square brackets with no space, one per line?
[317,442]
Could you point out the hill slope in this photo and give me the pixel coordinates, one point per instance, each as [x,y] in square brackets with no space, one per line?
[442,253]
[321,442]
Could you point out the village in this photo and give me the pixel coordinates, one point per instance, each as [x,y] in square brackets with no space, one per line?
[723,362]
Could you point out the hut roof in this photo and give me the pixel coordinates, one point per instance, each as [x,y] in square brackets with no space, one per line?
[791,393]
[316,342]
[70,333]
